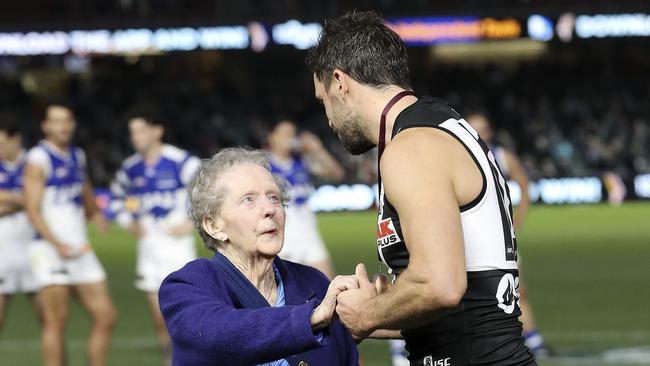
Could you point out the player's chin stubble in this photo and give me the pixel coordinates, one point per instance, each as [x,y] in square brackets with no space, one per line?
[354,139]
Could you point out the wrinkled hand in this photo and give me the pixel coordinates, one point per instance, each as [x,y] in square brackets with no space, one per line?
[351,303]
[324,313]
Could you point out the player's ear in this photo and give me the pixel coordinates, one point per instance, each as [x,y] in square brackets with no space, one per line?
[340,82]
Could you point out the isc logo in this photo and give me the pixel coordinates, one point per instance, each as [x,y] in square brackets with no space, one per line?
[428,361]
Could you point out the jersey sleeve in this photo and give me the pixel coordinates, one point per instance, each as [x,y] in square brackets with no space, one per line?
[81,158]
[119,190]
[188,168]
[39,158]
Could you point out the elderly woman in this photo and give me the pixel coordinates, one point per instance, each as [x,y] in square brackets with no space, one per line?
[247,306]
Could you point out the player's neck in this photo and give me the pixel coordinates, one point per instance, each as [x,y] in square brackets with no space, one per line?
[152,154]
[280,156]
[63,148]
[378,99]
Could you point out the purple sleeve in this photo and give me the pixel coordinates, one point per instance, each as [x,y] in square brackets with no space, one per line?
[206,329]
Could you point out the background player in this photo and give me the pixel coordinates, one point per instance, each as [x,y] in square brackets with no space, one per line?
[511,167]
[150,201]
[295,157]
[15,270]
[58,199]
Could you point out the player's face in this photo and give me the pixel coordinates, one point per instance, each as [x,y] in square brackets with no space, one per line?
[282,137]
[59,125]
[252,214]
[143,135]
[482,126]
[9,145]
[343,120]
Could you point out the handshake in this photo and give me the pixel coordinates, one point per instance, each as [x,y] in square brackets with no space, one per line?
[347,298]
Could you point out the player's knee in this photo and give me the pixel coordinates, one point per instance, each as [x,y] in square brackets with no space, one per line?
[106,318]
[54,321]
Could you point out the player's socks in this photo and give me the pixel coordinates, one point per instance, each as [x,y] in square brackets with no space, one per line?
[398,352]
[535,343]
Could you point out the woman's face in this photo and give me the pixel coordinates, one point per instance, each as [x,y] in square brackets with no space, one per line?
[252,214]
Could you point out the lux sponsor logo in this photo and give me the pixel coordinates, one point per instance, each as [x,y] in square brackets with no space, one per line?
[428,361]
[386,234]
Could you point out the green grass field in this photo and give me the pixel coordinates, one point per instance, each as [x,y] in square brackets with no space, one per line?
[587,269]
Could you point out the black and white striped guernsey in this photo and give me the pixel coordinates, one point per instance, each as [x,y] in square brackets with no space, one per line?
[484,328]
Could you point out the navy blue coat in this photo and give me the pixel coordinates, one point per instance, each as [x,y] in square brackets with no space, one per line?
[209,326]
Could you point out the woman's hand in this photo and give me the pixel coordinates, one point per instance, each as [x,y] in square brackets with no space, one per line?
[323,314]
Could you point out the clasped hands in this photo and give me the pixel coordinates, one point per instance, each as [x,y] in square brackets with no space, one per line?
[347,297]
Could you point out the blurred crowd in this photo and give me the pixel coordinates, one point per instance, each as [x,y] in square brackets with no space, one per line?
[563,119]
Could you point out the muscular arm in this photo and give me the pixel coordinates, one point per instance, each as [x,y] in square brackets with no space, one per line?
[418,180]
[34,188]
[518,174]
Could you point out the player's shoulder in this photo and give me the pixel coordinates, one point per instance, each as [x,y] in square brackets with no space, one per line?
[427,111]
[36,149]
[79,153]
[132,161]
[37,154]
[174,153]
[421,143]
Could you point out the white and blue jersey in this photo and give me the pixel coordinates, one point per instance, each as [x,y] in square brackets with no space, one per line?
[155,195]
[302,241]
[297,174]
[62,204]
[15,228]
[15,270]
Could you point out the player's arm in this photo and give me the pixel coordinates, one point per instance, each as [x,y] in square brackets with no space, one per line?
[319,161]
[10,202]
[34,189]
[518,174]
[91,210]
[187,172]
[417,171]
[120,187]
[90,206]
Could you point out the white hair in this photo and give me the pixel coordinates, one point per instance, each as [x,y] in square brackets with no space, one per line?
[207,191]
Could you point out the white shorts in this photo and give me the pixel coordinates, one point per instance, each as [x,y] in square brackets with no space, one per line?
[160,256]
[51,269]
[302,241]
[18,281]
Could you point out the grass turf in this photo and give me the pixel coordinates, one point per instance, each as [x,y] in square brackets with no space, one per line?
[586,269]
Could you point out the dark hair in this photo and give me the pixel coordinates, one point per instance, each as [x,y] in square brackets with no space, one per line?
[148,112]
[45,107]
[9,124]
[361,45]
[277,119]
